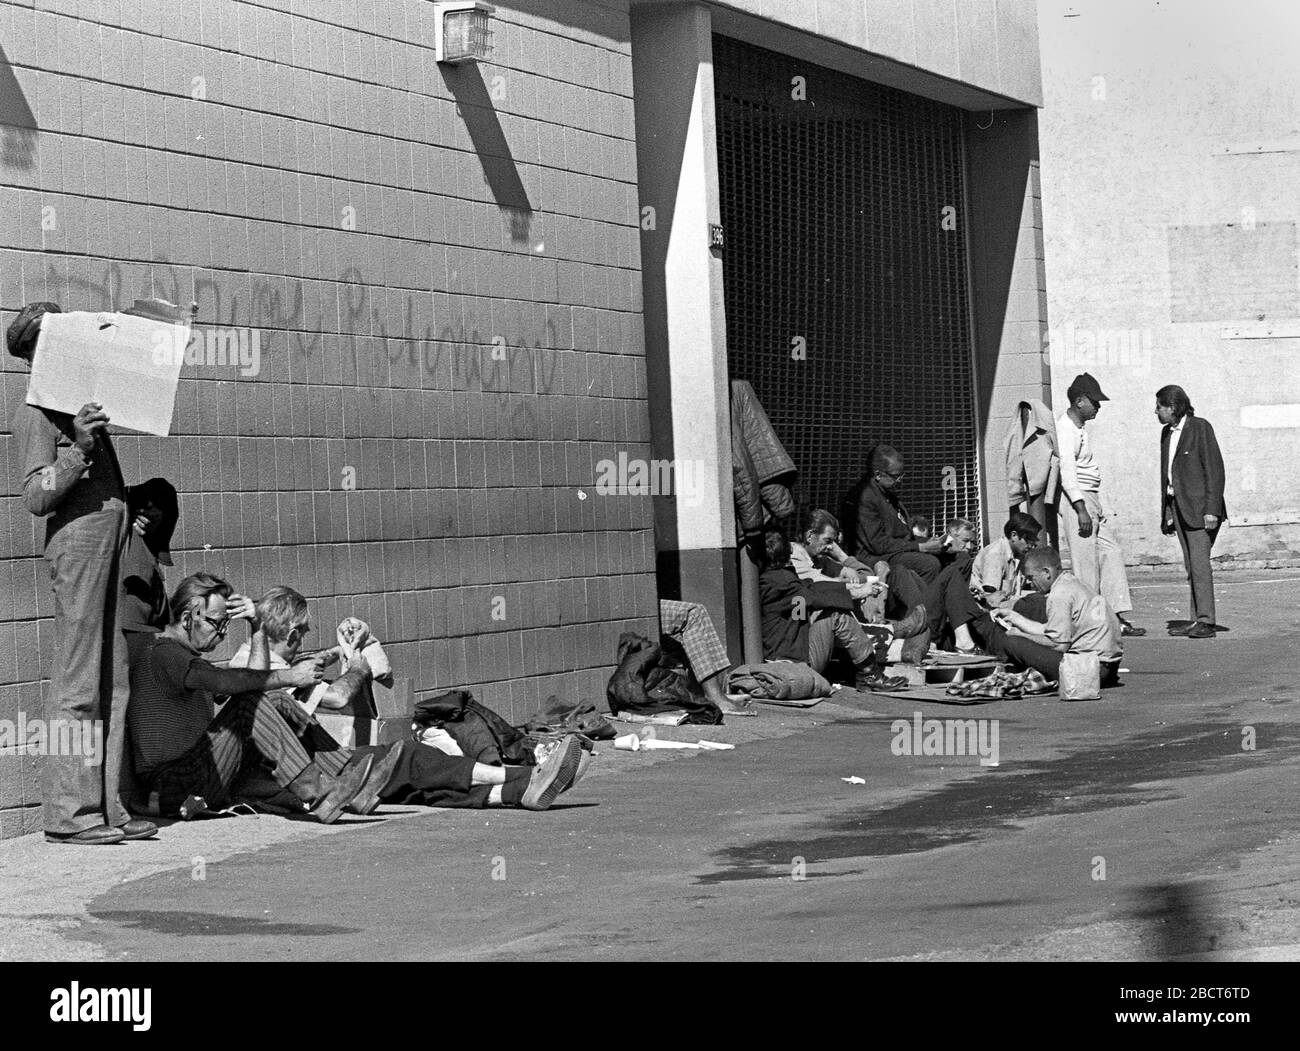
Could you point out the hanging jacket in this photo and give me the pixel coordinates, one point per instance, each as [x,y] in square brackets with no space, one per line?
[759,462]
[1033,460]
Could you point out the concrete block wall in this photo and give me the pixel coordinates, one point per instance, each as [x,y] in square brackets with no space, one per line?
[442,269]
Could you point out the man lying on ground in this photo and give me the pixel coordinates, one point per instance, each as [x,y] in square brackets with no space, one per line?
[413,773]
[804,621]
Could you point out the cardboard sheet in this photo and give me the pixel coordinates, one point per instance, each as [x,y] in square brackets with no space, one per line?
[128,364]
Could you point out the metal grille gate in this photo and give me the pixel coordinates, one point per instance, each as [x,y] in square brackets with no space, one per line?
[833,211]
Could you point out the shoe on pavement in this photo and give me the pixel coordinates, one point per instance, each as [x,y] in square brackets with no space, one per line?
[1125,628]
[553,775]
[869,679]
[367,799]
[1179,630]
[1201,630]
[96,836]
[138,828]
[341,790]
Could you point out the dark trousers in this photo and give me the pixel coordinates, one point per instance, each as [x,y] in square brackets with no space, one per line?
[89,680]
[1196,542]
[247,731]
[425,776]
[924,566]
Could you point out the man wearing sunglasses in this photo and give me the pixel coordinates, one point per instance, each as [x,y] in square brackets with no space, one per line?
[184,748]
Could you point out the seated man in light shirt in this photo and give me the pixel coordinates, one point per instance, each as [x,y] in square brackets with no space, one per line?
[996,574]
[817,556]
[1078,619]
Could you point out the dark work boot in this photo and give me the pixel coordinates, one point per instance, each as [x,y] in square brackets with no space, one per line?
[326,796]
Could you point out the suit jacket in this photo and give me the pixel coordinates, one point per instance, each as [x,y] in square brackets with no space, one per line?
[878,531]
[1198,472]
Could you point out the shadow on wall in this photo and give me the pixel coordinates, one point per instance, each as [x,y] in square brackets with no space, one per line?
[17,122]
[474,105]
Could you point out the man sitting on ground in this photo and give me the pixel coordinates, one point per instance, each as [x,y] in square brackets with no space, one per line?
[882,529]
[819,558]
[1078,620]
[184,749]
[691,627]
[412,773]
[996,573]
[804,621]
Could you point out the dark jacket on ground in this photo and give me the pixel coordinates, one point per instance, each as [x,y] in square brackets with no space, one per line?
[785,619]
[1198,472]
[878,531]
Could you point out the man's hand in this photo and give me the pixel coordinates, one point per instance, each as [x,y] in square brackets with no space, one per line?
[241,607]
[1211,521]
[931,547]
[306,672]
[87,424]
[1085,522]
[141,524]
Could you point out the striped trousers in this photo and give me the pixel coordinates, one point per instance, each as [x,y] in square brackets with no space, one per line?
[253,729]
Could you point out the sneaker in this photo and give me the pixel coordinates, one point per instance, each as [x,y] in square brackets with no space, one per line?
[341,790]
[555,774]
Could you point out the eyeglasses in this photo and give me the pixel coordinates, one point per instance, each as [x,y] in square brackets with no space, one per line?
[220,627]
[895,475]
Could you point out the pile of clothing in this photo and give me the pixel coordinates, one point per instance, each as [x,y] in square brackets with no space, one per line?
[1003,685]
[652,679]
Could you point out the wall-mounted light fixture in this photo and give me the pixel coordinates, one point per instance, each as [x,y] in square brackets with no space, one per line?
[462,31]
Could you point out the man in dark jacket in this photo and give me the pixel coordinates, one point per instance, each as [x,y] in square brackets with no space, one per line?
[881,529]
[804,620]
[1191,498]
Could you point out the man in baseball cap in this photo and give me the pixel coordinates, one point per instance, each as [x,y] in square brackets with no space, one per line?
[1095,554]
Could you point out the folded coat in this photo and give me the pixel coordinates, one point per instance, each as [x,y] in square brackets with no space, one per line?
[779,680]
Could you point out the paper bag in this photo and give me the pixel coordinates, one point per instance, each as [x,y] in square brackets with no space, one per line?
[1080,677]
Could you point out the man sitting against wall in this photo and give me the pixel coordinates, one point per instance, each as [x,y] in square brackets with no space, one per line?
[805,620]
[409,772]
[882,529]
[817,556]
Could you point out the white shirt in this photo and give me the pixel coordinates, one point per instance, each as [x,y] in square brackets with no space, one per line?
[1079,471]
[1175,433]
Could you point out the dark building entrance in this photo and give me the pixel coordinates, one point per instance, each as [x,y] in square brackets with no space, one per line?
[845,274]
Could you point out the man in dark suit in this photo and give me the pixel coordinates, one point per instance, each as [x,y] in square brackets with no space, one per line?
[1191,498]
[880,522]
